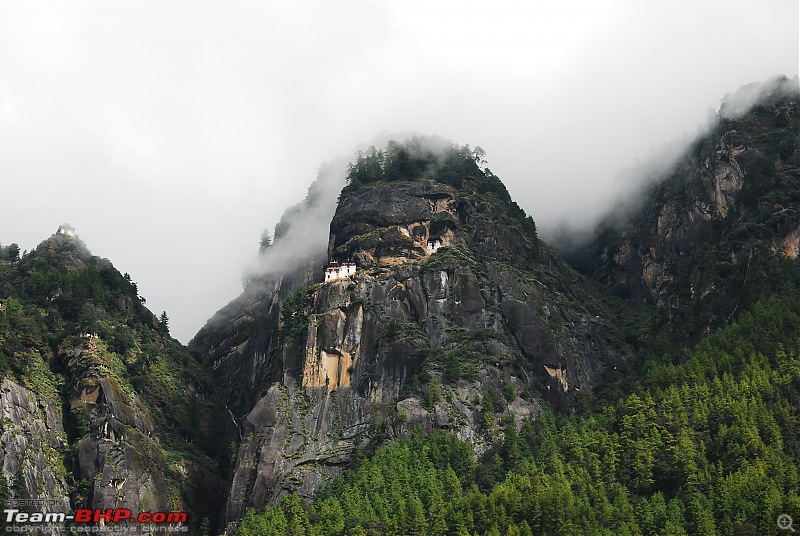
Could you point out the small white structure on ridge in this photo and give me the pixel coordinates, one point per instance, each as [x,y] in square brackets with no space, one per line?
[339,271]
[66,229]
[434,245]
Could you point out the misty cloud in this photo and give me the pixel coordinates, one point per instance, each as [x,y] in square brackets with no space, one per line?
[301,235]
[738,104]
[634,181]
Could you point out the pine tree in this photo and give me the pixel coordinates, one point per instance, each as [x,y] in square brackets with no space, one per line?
[163,324]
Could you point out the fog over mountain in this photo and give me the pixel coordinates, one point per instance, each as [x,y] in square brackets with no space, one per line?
[301,234]
[634,181]
[171,134]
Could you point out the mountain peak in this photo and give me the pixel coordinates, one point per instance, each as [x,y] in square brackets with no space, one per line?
[406,201]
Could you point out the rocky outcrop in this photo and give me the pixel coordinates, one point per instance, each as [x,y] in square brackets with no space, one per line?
[388,225]
[117,452]
[32,445]
[119,456]
[791,243]
[644,262]
[240,342]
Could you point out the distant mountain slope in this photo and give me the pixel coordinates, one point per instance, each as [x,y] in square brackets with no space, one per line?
[716,233]
[103,408]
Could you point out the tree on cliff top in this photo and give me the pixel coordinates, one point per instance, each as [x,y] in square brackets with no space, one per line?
[414,158]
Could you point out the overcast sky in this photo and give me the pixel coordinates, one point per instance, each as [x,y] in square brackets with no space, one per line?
[171,133]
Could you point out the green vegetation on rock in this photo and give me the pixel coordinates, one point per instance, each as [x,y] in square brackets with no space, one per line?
[294,314]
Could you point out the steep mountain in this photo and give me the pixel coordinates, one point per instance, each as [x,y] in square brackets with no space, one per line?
[698,434]
[719,229]
[456,314]
[101,407]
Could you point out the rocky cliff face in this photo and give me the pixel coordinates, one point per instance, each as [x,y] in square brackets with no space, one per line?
[119,457]
[32,446]
[645,263]
[710,230]
[456,316]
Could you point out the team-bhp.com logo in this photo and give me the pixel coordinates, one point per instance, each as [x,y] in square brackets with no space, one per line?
[97,520]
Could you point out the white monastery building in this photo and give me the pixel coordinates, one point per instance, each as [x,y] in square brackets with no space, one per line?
[339,271]
[66,229]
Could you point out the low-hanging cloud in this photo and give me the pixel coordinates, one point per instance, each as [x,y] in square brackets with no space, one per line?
[633,182]
[301,235]
[736,105]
